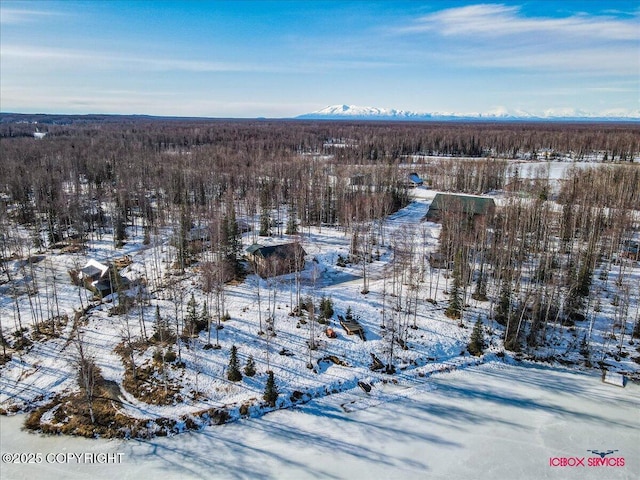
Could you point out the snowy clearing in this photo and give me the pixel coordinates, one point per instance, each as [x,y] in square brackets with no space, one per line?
[432,342]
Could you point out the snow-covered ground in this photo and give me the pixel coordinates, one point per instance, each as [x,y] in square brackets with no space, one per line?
[436,344]
[47,368]
[497,421]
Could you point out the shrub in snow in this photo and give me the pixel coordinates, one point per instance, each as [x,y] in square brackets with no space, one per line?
[271,390]
[477,345]
[326,308]
[250,367]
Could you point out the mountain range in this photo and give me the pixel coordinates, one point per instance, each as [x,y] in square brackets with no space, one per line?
[353,112]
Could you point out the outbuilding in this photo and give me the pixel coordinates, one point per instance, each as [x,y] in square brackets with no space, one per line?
[470,206]
[274,260]
[415,180]
[101,279]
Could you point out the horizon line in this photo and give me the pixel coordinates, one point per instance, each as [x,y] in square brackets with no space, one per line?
[313,116]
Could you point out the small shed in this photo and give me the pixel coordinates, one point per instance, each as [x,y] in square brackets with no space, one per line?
[415,180]
[274,260]
[352,327]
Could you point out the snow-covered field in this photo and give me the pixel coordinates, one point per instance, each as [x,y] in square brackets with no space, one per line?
[495,421]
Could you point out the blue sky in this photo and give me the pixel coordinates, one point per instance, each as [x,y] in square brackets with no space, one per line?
[281,59]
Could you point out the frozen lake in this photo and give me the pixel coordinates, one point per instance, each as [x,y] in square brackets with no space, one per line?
[493,421]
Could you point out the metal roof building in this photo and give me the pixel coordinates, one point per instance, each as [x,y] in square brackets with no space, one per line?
[470,205]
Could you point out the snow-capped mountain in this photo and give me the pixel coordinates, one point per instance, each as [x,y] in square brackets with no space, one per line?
[358,113]
[353,112]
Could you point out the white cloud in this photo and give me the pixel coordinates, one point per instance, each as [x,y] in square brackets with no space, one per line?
[64,58]
[41,53]
[16,15]
[493,20]
[499,36]
[28,58]
[614,89]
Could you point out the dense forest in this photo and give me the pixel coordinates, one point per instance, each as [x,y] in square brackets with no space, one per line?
[90,175]
[264,164]
[557,259]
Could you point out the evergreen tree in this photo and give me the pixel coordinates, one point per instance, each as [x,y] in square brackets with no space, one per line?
[503,308]
[265,223]
[203,321]
[585,274]
[233,373]
[579,291]
[191,319]
[584,346]
[161,330]
[292,222]
[326,308]
[182,243]
[250,367]
[329,209]
[454,310]
[271,390]
[480,293]
[120,233]
[231,240]
[477,345]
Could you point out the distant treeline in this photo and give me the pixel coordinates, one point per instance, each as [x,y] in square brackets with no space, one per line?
[364,141]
